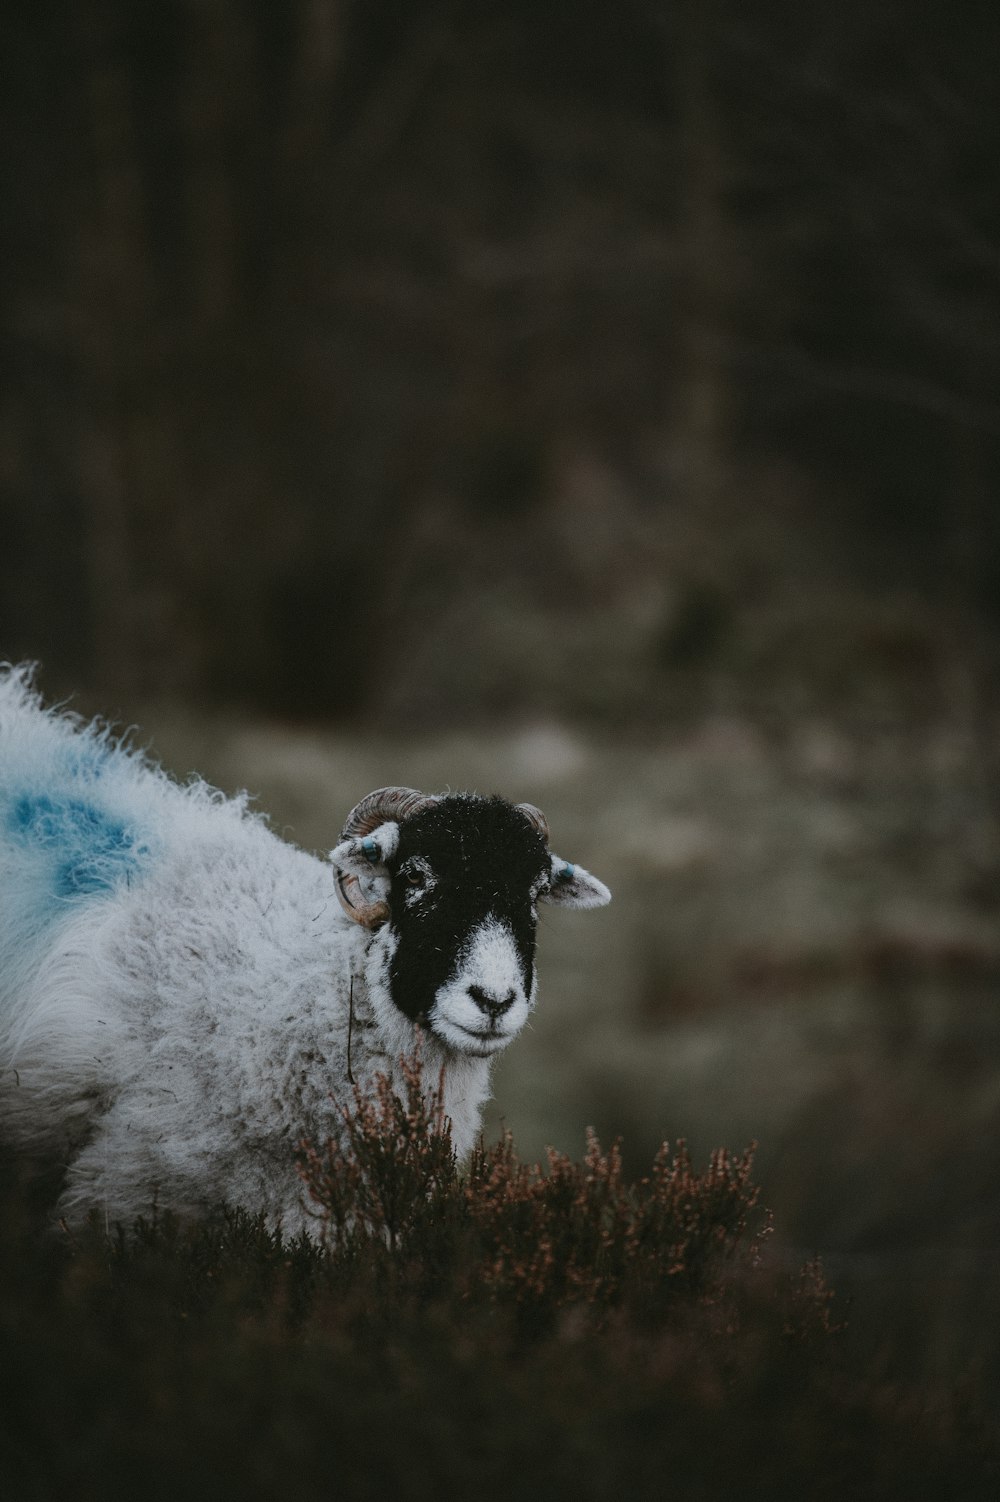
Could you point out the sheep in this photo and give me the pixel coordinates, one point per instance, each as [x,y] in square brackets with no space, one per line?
[184,995]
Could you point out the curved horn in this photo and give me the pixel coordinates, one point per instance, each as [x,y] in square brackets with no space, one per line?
[368,914]
[537,818]
[374,809]
[383,804]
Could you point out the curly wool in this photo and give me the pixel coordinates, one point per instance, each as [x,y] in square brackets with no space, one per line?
[175,983]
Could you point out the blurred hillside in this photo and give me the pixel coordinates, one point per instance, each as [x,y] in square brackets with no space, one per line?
[420,361]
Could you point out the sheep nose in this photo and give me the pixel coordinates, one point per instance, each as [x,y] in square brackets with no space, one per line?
[487,1001]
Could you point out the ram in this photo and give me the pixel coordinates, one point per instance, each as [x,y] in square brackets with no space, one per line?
[183,994]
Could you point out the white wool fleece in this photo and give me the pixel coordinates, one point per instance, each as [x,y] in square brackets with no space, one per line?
[175,1004]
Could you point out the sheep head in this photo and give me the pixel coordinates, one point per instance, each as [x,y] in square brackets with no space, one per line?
[448,885]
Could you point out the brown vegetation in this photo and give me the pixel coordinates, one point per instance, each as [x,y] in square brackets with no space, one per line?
[501,1328]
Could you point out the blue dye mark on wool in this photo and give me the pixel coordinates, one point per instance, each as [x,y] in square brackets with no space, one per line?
[89,850]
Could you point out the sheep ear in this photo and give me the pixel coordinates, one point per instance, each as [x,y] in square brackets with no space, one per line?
[367,855]
[572,886]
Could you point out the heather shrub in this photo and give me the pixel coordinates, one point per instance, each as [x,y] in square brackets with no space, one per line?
[390,1195]
[501,1329]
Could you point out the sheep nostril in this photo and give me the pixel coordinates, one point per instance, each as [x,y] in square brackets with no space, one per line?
[494,1006]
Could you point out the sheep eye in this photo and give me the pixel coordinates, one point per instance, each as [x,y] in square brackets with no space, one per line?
[414,878]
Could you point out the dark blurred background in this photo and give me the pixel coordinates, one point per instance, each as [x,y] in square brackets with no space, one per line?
[660,338]
[598,402]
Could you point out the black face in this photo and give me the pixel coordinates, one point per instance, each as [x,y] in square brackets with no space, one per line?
[462,864]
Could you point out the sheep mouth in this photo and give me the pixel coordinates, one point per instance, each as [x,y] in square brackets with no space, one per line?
[480,1044]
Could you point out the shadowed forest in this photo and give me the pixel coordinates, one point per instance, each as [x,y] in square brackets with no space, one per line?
[598,404]
[433,360]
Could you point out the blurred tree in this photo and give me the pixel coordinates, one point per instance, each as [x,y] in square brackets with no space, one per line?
[319,317]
